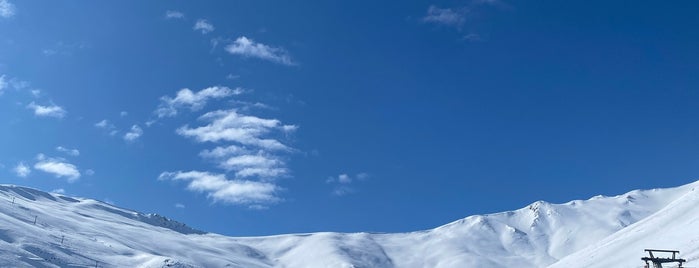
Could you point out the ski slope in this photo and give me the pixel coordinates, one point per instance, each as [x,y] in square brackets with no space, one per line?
[599,232]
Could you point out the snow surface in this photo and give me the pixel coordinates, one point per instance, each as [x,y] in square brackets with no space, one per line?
[599,232]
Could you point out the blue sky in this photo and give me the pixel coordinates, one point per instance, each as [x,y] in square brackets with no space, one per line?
[267,117]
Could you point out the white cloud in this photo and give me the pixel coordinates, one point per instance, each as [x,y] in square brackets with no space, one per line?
[342,183]
[22,170]
[123,113]
[221,189]
[103,124]
[47,111]
[89,172]
[344,178]
[107,126]
[71,152]
[229,125]
[58,167]
[249,48]
[174,14]
[134,133]
[204,26]
[342,190]
[180,206]
[445,16]
[193,100]
[7,9]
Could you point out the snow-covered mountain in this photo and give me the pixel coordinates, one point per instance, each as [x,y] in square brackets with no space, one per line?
[39,229]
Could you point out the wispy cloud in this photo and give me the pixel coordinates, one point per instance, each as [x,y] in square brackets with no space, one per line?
[229,125]
[342,183]
[445,16]
[259,165]
[220,152]
[249,48]
[22,170]
[134,133]
[247,162]
[174,14]
[186,98]
[107,126]
[64,48]
[179,205]
[3,83]
[7,9]
[47,111]
[58,167]
[71,152]
[224,190]
[204,26]
[7,83]
[249,149]
[255,152]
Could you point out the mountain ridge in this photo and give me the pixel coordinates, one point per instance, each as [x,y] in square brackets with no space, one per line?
[80,232]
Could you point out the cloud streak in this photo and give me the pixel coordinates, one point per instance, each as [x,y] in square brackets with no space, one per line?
[174,14]
[246,47]
[249,148]
[254,152]
[229,125]
[224,190]
[71,152]
[445,16]
[186,98]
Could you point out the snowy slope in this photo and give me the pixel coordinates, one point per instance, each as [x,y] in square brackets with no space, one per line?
[77,232]
[676,227]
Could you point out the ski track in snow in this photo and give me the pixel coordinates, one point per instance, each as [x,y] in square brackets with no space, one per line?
[599,232]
